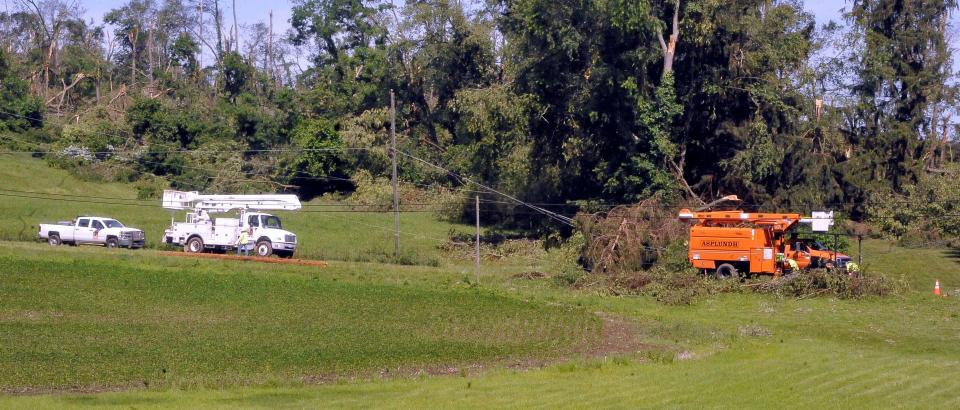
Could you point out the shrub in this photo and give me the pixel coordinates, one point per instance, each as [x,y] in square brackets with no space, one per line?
[150,187]
[565,259]
[371,191]
[818,282]
[919,215]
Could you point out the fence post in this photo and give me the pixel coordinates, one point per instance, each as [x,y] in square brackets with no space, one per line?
[393,157]
[477,267]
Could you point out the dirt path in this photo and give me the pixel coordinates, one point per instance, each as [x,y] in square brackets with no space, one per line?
[302,262]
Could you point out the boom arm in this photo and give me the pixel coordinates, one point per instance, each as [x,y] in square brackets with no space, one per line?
[180,200]
[820,221]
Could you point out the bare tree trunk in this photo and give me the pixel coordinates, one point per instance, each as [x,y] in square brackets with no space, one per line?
[218,23]
[945,141]
[669,48]
[150,54]
[270,50]
[63,94]
[236,32]
[49,38]
[200,23]
[46,65]
[132,36]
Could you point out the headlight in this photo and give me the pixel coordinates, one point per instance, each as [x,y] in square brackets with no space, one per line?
[125,235]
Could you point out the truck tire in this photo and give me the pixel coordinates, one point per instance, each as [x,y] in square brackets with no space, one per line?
[112,243]
[263,248]
[54,240]
[727,271]
[193,245]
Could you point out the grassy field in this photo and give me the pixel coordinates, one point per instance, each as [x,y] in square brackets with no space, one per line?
[920,267]
[85,318]
[737,350]
[175,332]
[321,235]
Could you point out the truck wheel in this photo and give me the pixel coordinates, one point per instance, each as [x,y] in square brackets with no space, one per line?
[54,240]
[193,245]
[264,248]
[112,242]
[726,271]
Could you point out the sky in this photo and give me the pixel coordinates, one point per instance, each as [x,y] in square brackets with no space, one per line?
[253,11]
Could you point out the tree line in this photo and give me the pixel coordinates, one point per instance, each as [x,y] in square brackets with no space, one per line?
[574,102]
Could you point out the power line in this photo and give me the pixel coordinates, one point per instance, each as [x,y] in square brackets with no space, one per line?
[562,219]
[152,203]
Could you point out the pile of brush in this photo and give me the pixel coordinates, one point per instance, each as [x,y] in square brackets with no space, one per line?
[818,282]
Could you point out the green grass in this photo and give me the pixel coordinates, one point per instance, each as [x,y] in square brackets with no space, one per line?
[920,267]
[322,235]
[812,354]
[91,317]
[242,334]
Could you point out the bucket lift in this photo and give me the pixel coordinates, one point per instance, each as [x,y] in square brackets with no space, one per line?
[185,200]
[199,232]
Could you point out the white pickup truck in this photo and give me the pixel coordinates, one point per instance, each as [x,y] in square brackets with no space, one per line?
[92,230]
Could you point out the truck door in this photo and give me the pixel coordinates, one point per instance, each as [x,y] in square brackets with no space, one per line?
[84,231]
[801,254]
[253,221]
[97,226]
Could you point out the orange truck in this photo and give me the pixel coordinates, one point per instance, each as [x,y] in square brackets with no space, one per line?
[733,243]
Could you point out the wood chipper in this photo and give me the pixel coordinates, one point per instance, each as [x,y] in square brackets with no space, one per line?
[731,243]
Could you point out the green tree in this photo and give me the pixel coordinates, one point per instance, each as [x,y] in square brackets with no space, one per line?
[900,58]
[19,110]
[318,166]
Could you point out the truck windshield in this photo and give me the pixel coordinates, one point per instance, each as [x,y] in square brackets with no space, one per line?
[112,223]
[271,222]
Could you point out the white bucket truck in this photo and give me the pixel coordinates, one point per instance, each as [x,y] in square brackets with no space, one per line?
[200,232]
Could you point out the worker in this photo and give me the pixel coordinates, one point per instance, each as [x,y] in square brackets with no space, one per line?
[794,267]
[852,268]
[243,242]
[203,216]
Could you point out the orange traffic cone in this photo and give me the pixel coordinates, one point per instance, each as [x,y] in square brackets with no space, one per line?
[936,288]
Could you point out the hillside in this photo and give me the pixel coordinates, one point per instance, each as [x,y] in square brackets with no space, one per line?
[35,193]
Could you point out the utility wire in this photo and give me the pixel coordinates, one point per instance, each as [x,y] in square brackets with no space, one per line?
[562,219]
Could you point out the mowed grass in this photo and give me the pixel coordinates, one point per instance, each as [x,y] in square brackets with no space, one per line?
[919,267]
[91,318]
[745,351]
[199,332]
[367,236]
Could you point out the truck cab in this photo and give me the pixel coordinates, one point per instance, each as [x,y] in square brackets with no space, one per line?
[269,237]
[814,254]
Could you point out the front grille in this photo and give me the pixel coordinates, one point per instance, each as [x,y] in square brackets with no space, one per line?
[290,238]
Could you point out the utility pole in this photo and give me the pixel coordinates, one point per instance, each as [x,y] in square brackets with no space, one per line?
[200,23]
[477,267]
[393,157]
[270,50]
